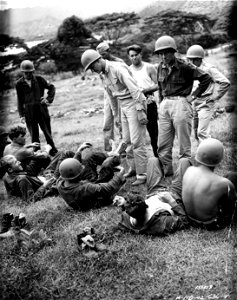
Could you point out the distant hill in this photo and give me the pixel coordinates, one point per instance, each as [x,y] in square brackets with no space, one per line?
[43,22]
[218,11]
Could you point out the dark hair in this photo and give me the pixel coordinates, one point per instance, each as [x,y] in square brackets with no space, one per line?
[15,131]
[135,48]
[136,206]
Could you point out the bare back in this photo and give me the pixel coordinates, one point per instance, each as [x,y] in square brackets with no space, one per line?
[204,192]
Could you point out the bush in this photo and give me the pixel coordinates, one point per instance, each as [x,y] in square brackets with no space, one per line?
[48,67]
[9,79]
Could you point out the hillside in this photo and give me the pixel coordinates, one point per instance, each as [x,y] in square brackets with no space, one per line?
[217,11]
[42,22]
[213,9]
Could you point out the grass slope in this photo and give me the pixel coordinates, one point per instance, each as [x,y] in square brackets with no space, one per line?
[191,264]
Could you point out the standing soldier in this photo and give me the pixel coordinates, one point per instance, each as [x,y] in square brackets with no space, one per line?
[122,87]
[108,127]
[204,105]
[146,77]
[33,106]
[175,81]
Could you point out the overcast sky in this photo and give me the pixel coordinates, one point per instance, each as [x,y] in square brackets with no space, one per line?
[86,8]
[89,7]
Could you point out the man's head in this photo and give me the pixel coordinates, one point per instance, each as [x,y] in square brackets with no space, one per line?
[24,155]
[70,169]
[17,134]
[134,53]
[135,206]
[27,68]
[104,50]
[166,47]
[210,152]
[195,54]
[3,136]
[12,164]
[92,60]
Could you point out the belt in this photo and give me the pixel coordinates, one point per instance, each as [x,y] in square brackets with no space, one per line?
[202,222]
[174,97]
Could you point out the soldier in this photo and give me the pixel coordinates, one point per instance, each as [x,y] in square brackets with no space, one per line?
[122,87]
[109,126]
[82,194]
[203,106]
[175,81]
[209,199]
[33,106]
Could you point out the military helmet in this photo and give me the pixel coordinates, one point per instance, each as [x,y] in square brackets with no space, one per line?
[165,42]
[210,152]
[27,66]
[195,51]
[88,57]
[70,168]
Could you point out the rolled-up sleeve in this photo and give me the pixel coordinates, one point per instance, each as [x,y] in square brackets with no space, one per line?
[126,78]
[204,81]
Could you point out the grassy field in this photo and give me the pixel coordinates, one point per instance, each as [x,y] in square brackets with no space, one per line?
[191,264]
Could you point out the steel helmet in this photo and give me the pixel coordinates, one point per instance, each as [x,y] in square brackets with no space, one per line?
[27,66]
[165,42]
[24,154]
[195,51]
[70,168]
[88,57]
[210,152]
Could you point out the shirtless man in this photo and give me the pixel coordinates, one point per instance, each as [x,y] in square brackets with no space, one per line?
[209,199]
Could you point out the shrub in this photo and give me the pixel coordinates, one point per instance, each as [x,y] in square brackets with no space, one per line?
[48,67]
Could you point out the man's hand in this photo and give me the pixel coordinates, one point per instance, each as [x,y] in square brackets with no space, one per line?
[49,182]
[44,101]
[47,148]
[142,118]
[166,198]
[84,146]
[190,98]
[119,201]
[117,122]
[23,120]
[33,145]
[121,170]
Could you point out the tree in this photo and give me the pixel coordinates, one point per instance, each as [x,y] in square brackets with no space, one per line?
[66,50]
[73,32]
[112,26]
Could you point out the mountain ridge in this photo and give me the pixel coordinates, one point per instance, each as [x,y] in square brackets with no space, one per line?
[42,22]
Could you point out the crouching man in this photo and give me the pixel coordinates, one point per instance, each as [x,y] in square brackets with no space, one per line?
[82,194]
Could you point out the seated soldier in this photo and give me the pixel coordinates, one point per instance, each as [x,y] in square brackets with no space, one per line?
[209,199]
[33,162]
[17,136]
[18,183]
[82,194]
[90,159]
[3,143]
[162,211]
[26,169]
